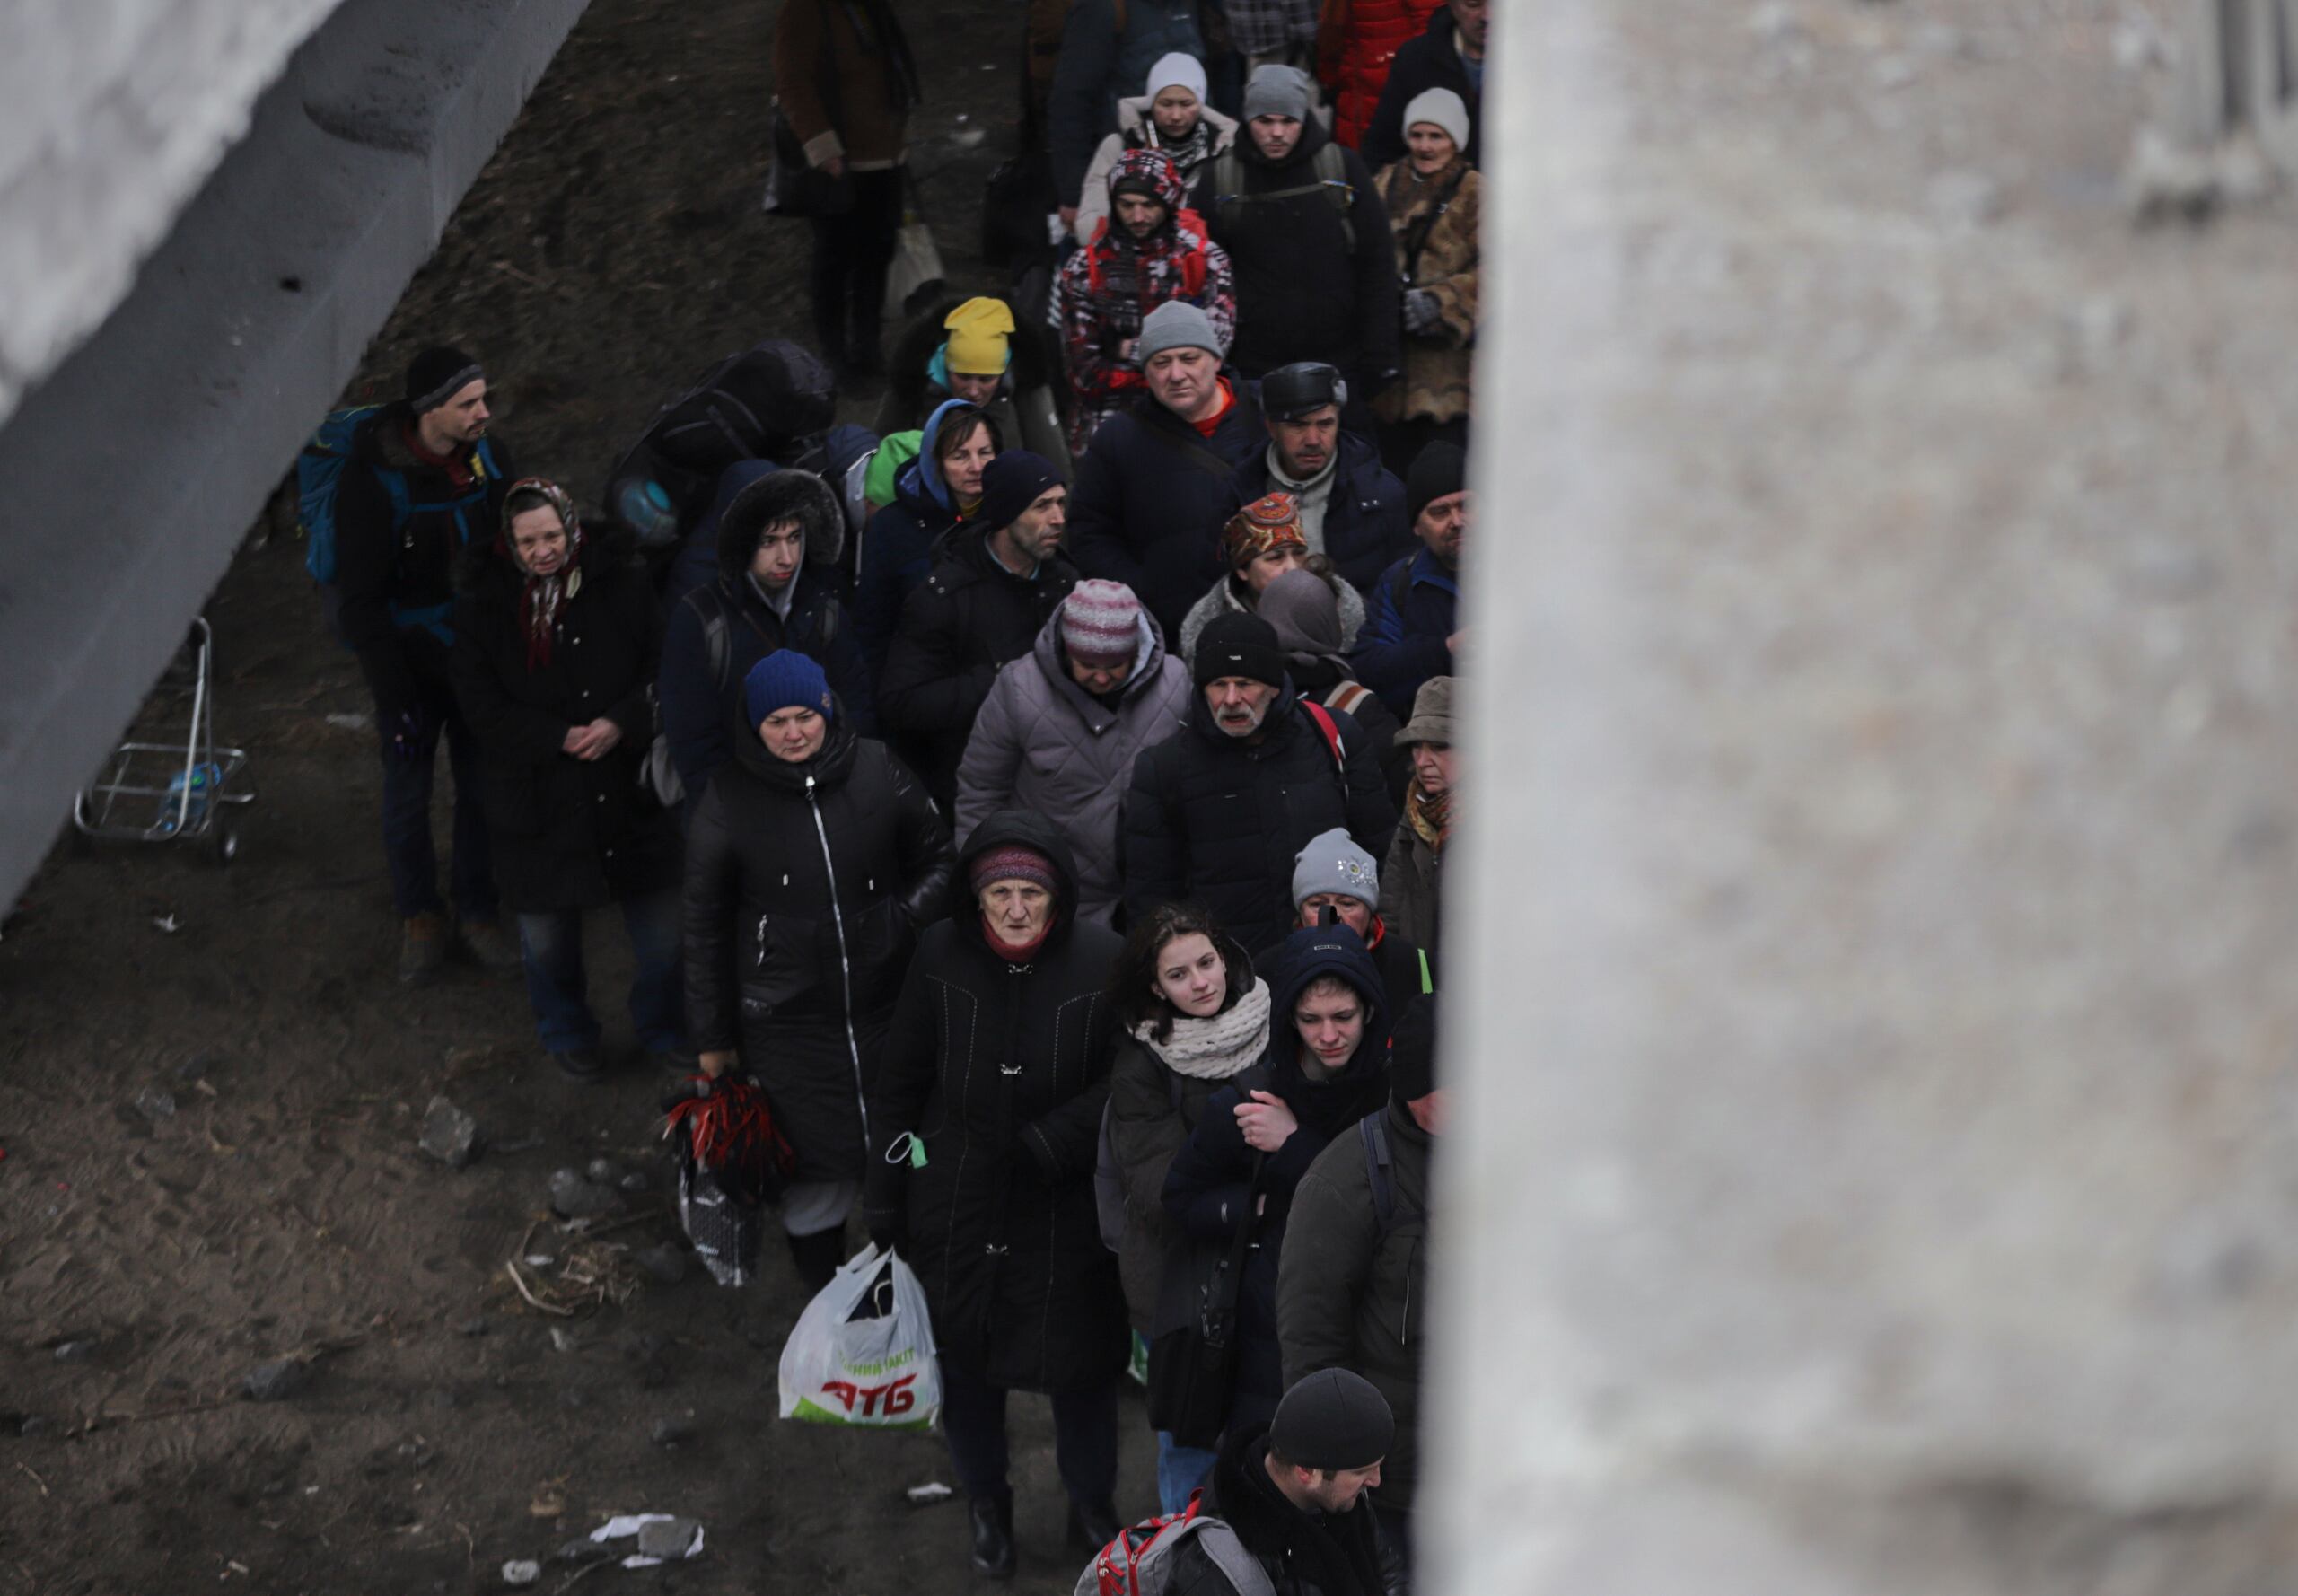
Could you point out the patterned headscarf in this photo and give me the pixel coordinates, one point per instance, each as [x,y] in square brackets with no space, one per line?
[540,601]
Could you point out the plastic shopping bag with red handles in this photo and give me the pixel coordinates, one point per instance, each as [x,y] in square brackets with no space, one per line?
[862,1352]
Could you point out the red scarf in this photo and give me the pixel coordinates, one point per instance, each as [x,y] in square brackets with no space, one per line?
[1006,951]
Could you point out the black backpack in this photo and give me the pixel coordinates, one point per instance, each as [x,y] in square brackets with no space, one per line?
[750,406]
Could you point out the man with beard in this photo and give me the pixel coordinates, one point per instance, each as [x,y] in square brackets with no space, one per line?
[1141,256]
[1218,811]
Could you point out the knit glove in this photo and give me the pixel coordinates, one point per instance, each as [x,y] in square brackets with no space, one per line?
[1421,312]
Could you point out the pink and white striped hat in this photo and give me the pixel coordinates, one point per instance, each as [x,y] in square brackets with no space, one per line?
[1101,624]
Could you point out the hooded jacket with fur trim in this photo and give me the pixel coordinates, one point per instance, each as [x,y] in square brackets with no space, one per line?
[698,701]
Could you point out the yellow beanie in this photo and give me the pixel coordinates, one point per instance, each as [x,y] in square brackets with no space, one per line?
[979,330]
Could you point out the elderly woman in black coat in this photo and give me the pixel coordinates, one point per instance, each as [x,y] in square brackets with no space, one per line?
[987,1119]
[812,860]
[556,635]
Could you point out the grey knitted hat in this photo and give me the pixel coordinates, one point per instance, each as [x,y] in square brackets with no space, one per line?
[1177,325]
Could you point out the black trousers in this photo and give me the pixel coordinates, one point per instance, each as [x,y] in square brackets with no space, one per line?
[1084,1437]
[852,254]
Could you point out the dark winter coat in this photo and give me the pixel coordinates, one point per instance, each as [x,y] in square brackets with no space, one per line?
[1144,509]
[968,621]
[1400,960]
[1001,1071]
[1043,743]
[566,833]
[1326,681]
[391,578]
[1219,819]
[1365,528]
[1152,1110]
[898,545]
[1432,61]
[1352,1294]
[844,76]
[1409,618]
[1027,408]
[1412,888]
[806,887]
[698,702]
[1301,1553]
[1211,1189]
[1101,63]
[1309,285]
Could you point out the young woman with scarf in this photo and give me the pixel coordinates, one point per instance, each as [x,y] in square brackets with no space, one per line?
[1191,1015]
[1169,115]
[557,639]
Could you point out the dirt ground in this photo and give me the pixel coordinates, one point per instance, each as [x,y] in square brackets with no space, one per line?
[275,1204]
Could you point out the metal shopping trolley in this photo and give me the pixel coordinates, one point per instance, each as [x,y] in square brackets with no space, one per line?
[182,791]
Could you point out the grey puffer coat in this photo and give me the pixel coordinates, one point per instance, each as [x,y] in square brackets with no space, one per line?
[1043,743]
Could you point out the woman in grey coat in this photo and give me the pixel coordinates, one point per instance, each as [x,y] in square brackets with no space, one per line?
[1063,724]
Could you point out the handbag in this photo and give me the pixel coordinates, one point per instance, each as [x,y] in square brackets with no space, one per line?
[795,189]
[1193,1370]
[917,271]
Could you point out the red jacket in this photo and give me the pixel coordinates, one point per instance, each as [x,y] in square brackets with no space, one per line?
[1356,41]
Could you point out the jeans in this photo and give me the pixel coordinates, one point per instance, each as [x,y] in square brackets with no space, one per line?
[1084,1437]
[408,850]
[552,944]
[1180,1470]
[853,253]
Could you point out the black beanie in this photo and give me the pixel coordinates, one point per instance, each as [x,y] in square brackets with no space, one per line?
[1012,483]
[1239,644]
[1333,1419]
[438,375]
[1412,1052]
[1439,470]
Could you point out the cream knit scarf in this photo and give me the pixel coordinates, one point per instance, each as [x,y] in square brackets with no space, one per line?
[1219,1046]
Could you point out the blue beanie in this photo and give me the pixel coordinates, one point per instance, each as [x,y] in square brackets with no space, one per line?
[784,679]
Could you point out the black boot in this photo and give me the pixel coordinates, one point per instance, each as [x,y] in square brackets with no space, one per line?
[992,1536]
[818,1256]
[1092,1526]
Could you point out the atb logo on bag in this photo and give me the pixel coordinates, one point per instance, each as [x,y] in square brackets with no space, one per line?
[892,1400]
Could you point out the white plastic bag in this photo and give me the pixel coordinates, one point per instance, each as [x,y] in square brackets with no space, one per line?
[863,1351]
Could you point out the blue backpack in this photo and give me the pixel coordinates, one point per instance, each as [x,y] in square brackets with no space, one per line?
[319,470]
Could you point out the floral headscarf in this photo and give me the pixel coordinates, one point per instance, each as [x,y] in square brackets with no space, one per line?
[540,601]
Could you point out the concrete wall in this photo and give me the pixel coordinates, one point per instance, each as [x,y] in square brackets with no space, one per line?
[130,476]
[1875,1166]
[112,114]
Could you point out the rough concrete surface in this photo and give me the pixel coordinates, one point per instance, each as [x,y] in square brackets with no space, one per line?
[1877,1175]
[112,114]
[134,470]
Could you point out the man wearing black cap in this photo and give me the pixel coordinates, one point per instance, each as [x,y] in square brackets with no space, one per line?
[1351,506]
[1218,810]
[989,596]
[1352,1287]
[422,481]
[1294,1495]
[1412,615]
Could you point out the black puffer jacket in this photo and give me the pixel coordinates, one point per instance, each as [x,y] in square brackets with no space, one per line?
[1301,1553]
[1309,285]
[806,886]
[1351,1293]
[566,833]
[971,617]
[1001,1071]
[1220,820]
[1210,1188]
[1148,504]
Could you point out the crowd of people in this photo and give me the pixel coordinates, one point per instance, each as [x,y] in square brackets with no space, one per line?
[1043,795]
